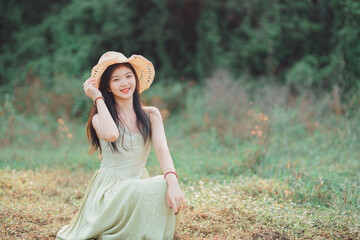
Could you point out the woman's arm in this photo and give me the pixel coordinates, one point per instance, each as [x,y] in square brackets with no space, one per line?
[103,123]
[175,197]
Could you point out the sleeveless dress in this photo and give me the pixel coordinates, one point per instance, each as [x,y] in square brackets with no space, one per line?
[122,201]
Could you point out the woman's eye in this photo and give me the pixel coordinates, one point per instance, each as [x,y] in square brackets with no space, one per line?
[129,76]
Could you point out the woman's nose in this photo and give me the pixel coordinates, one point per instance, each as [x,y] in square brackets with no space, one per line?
[124,82]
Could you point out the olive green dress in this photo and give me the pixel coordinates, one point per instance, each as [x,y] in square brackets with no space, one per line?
[122,201]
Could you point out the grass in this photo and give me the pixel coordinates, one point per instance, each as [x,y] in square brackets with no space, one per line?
[277,172]
[47,199]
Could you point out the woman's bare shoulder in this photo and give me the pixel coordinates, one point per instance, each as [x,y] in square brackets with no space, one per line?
[153,113]
[151,110]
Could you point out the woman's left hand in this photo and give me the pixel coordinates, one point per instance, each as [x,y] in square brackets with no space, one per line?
[174,196]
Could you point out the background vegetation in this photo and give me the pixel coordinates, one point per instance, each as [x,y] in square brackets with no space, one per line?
[260,101]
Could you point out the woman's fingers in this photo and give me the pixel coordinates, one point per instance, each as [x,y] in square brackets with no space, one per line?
[175,198]
[178,204]
[168,202]
[174,205]
[91,88]
[89,80]
[93,83]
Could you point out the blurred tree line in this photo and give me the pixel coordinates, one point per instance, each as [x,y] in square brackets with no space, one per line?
[311,43]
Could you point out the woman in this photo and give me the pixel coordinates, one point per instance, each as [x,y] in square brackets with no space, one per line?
[122,201]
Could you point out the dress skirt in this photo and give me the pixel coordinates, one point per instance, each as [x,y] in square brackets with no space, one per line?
[114,208]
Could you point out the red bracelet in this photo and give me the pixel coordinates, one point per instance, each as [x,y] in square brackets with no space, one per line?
[170,172]
[97,99]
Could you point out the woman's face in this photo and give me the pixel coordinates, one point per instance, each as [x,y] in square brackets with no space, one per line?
[122,83]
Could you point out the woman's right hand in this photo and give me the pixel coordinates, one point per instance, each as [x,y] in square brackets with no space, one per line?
[90,88]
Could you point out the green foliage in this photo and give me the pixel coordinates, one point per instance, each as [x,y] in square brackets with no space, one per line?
[312,43]
[167,96]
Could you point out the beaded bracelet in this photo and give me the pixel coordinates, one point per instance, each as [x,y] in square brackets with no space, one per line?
[170,172]
[97,99]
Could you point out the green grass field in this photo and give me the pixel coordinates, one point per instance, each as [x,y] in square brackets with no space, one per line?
[283,173]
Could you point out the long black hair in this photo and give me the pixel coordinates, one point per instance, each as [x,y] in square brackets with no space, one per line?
[142,120]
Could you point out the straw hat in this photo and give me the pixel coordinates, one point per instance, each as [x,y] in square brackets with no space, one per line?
[144,68]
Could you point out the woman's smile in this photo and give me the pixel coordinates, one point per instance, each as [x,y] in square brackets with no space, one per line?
[125,90]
